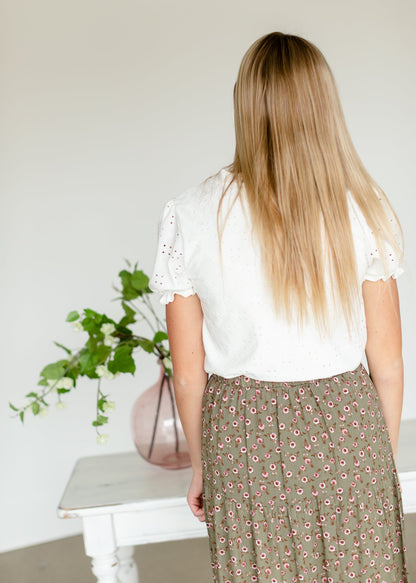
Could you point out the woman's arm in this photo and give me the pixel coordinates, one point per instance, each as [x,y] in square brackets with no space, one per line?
[184,324]
[384,350]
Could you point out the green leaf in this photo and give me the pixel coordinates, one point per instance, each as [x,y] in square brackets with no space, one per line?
[43,382]
[122,360]
[61,390]
[100,403]
[123,330]
[35,408]
[90,325]
[94,315]
[93,322]
[88,362]
[102,352]
[62,346]
[91,344]
[139,280]
[55,370]
[130,316]
[13,407]
[101,419]
[21,415]
[146,344]
[72,316]
[73,373]
[129,291]
[159,336]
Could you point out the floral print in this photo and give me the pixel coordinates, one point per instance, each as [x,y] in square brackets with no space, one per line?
[299,482]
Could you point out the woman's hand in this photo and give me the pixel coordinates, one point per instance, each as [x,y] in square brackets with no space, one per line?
[194,497]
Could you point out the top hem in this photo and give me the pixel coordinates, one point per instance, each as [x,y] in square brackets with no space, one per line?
[245,378]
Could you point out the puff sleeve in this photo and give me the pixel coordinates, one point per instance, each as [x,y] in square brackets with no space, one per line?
[169,275]
[375,269]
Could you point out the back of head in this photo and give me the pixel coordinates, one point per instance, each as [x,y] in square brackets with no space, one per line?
[296,160]
[285,104]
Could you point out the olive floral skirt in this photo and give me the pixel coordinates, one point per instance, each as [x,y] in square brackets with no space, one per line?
[300,483]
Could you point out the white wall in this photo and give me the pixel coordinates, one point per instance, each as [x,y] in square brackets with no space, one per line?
[108,109]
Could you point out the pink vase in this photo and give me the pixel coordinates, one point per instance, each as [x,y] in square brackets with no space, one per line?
[156,426]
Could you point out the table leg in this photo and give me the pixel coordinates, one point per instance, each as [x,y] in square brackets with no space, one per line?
[100,545]
[127,571]
[105,568]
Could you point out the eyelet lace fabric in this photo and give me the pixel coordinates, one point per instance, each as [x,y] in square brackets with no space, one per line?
[241,333]
[375,268]
[169,275]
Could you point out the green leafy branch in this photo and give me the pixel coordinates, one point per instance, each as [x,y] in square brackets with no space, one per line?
[107,353]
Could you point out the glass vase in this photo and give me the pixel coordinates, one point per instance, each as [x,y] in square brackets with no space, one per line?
[156,428]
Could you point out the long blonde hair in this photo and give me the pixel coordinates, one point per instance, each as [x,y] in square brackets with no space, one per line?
[296,160]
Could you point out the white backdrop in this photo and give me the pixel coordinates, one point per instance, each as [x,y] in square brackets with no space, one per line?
[108,109]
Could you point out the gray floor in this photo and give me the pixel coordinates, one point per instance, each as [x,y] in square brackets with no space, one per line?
[186,561]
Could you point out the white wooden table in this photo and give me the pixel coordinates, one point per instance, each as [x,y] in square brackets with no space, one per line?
[124,501]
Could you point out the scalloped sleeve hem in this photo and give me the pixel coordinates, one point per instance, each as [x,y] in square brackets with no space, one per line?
[376,276]
[168,296]
[375,269]
[169,271]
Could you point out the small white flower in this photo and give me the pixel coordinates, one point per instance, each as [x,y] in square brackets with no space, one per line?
[60,405]
[109,406]
[77,326]
[43,412]
[109,341]
[65,383]
[102,371]
[102,438]
[107,328]
[167,362]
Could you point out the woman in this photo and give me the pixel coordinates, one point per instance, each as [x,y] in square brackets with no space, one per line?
[269,311]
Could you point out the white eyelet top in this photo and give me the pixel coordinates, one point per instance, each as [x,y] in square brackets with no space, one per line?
[241,333]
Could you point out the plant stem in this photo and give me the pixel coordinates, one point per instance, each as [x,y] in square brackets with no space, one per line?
[150,307]
[138,311]
[45,392]
[157,417]
[98,398]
